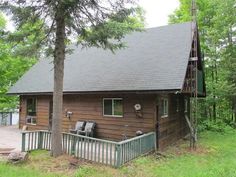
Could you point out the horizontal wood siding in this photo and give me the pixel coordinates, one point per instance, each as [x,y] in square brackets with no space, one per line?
[42,107]
[173,127]
[90,108]
[22,112]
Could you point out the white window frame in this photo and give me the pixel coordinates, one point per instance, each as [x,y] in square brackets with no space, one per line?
[31,117]
[112,99]
[165,108]
[31,120]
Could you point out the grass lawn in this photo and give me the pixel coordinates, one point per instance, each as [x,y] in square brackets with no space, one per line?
[215,157]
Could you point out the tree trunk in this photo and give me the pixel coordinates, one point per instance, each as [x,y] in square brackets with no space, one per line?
[214,94]
[233,112]
[214,108]
[216,80]
[59,57]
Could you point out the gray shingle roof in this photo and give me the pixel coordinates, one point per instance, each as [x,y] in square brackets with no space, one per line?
[154,60]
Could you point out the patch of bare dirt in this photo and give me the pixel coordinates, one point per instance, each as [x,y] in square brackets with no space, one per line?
[64,164]
[200,150]
[5,151]
[182,147]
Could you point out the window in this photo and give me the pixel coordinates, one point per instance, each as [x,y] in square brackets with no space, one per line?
[164,106]
[31,120]
[31,111]
[185,105]
[113,107]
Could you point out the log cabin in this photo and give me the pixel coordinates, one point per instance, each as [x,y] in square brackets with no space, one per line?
[143,87]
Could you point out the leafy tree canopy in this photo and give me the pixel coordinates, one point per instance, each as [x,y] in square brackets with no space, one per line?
[217,27]
[12,67]
[2,21]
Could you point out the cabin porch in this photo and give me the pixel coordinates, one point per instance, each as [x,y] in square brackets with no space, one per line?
[93,149]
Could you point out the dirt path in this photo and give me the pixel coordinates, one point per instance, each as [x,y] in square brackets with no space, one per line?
[10,138]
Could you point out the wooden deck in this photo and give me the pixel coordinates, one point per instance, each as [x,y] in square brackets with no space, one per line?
[93,149]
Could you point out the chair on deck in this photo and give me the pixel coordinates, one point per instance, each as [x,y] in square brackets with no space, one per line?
[79,126]
[88,129]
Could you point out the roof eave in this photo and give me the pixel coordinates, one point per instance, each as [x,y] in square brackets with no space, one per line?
[102,92]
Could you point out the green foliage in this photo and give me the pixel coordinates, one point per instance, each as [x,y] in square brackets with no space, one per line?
[86,171]
[20,171]
[2,21]
[215,157]
[12,67]
[28,39]
[92,23]
[218,126]
[216,22]
[104,35]
[182,14]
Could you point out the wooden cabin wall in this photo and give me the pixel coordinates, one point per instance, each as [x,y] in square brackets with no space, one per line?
[42,107]
[90,108]
[174,126]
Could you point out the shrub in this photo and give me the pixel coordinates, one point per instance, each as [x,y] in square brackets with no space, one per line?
[216,126]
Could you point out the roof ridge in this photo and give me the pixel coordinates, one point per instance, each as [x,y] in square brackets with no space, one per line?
[168,25]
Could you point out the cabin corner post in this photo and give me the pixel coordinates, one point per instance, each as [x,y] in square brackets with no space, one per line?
[118,161]
[155,141]
[140,145]
[23,142]
[73,147]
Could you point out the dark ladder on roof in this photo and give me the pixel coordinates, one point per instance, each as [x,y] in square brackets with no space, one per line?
[192,122]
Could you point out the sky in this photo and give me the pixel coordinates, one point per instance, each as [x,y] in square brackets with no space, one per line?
[157,12]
